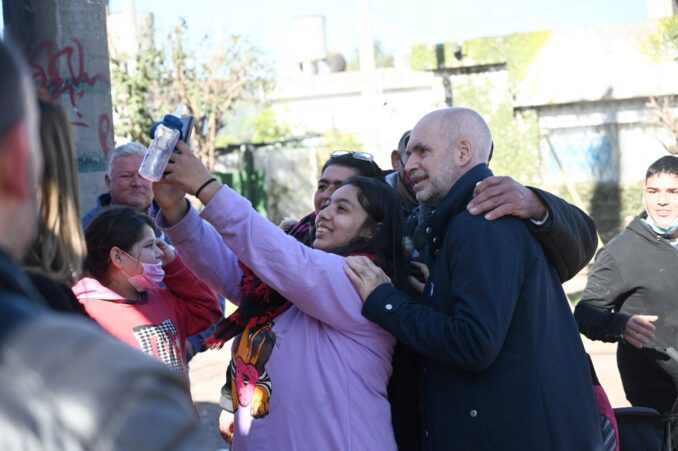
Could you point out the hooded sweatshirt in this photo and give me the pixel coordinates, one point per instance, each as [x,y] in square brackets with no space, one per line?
[159,322]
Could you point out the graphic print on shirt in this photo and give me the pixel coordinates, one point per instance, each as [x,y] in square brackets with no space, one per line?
[161,341]
[249,383]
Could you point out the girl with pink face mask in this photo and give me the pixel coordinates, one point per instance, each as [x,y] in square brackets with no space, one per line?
[138,288]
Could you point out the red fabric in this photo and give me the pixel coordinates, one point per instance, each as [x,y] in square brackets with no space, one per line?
[606,410]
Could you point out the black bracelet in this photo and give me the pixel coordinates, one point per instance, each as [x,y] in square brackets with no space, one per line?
[197,193]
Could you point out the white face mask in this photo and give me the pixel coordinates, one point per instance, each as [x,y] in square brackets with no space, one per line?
[151,277]
[669,230]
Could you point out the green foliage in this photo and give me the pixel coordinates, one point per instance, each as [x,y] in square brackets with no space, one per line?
[517,50]
[661,44]
[267,128]
[515,135]
[212,81]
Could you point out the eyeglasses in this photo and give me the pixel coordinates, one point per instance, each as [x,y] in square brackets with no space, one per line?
[358,155]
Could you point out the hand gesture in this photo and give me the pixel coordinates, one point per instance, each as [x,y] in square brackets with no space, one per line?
[226,426]
[168,252]
[365,275]
[416,282]
[639,330]
[502,196]
[185,170]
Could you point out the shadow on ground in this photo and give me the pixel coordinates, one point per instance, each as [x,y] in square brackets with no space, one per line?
[209,440]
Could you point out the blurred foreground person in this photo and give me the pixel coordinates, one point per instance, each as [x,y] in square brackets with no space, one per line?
[54,261]
[65,384]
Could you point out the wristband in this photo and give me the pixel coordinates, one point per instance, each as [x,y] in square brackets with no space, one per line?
[197,193]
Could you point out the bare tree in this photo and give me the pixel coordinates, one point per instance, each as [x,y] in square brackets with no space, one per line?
[664,117]
[212,83]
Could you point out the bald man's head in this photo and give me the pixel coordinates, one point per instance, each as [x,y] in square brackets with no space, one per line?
[444,145]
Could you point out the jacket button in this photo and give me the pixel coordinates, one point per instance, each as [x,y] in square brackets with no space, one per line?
[388,307]
[473,413]
[428,229]
[435,239]
[426,433]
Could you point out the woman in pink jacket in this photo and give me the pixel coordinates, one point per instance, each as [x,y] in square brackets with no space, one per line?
[139,289]
[313,374]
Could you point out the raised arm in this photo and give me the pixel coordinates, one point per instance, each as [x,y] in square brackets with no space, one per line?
[198,243]
[312,280]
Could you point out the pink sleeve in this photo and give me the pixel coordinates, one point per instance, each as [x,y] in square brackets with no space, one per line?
[204,252]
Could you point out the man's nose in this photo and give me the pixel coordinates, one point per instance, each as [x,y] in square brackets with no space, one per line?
[411,163]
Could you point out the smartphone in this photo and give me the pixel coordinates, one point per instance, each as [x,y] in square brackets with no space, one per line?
[187,123]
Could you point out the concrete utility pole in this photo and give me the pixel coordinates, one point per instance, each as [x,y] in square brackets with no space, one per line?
[67,46]
[369,81]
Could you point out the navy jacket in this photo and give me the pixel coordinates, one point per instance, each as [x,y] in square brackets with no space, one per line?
[503,365]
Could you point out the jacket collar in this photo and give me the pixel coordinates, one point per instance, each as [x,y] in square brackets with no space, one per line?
[455,201]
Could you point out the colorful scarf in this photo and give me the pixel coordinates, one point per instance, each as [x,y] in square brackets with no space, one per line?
[260,303]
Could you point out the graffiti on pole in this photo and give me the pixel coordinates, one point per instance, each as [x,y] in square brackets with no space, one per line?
[61,72]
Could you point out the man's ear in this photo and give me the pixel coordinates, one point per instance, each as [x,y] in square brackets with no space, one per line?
[107,180]
[395,160]
[15,176]
[464,153]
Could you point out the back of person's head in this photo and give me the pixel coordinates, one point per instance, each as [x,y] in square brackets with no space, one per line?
[12,75]
[665,165]
[20,156]
[59,247]
[402,143]
[125,150]
[362,162]
[116,226]
[384,210]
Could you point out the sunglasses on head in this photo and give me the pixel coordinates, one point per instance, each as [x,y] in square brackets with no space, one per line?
[358,155]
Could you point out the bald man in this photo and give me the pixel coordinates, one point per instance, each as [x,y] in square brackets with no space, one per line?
[503,364]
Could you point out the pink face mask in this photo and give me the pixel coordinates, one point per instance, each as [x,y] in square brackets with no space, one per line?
[151,277]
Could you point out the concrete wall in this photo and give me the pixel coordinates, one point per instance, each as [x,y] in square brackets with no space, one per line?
[66,43]
[334,102]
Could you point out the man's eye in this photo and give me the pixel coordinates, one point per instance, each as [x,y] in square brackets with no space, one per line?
[322,188]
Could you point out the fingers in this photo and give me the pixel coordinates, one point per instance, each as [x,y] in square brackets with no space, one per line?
[422,268]
[639,330]
[416,284]
[226,426]
[487,183]
[182,148]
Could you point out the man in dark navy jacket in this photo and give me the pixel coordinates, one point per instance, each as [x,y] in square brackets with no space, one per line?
[503,364]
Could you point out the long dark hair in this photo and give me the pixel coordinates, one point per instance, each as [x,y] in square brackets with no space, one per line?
[116,226]
[383,206]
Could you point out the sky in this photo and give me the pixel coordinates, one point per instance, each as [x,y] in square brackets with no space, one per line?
[397,24]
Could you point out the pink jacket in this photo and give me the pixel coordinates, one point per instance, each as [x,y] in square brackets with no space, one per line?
[159,324]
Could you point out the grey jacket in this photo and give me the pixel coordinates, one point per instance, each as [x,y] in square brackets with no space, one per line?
[66,385]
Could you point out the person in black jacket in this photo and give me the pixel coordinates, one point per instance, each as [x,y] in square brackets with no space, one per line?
[503,364]
[632,293]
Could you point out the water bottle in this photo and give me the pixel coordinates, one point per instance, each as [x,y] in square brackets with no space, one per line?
[165,138]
